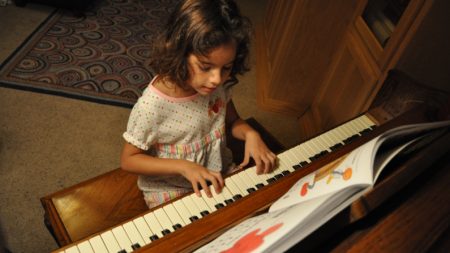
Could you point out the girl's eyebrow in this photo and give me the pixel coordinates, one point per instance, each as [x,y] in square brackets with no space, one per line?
[209,63]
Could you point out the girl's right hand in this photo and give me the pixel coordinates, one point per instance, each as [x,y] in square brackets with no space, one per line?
[198,175]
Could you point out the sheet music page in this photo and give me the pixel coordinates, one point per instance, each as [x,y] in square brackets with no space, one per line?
[393,142]
[348,171]
[258,233]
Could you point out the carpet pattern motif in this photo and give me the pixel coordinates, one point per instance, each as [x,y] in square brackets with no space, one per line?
[101,56]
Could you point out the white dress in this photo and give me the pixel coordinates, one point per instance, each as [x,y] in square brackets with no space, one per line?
[190,128]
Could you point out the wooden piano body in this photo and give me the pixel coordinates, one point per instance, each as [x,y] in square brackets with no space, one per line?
[409,222]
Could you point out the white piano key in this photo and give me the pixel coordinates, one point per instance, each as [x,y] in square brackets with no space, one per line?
[144,229]
[321,143]
[262,178]
[347,130]
[253,171]
[306,152]
[248,183]
[238,182]
[183,211]
[227,193]
[98,245]
[191,206]
[154,224]
[173,215]
[339,134]
[234,189]
[200,203]
[361,124]
[324,141]
[332,139]
[110,241]
[219,197]
[85,247]
[367,121]
[133,233]
[165,222]
[289,161]
[311,150]
[314,146]
[294,156]
[211,202]
[122,238]
[299,155]
[252,177]
[73,249]
[355,126]
[284,165]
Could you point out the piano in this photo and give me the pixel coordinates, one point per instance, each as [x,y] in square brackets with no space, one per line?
[189,222]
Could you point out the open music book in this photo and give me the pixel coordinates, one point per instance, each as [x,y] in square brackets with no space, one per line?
[317,197]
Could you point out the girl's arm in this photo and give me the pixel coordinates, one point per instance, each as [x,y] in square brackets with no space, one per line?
[137,161]
[255,147]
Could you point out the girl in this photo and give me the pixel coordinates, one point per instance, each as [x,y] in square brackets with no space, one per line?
[175,138]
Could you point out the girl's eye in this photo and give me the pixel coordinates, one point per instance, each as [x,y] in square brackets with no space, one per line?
[204,68]
[227,68]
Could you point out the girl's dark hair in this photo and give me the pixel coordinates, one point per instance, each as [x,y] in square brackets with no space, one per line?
[196,27]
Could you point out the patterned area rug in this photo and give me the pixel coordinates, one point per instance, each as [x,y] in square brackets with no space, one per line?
[100,57]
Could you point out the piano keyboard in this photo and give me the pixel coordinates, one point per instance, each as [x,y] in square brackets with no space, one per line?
[155,224]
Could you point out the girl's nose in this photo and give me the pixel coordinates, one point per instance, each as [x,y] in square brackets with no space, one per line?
[215,77]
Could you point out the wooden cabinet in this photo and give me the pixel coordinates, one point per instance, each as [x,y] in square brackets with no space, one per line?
[323,61]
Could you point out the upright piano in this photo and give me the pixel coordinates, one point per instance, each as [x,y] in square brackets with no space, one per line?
[408,210]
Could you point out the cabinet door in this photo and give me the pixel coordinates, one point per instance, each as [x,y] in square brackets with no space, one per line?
[345,91]
[296,45]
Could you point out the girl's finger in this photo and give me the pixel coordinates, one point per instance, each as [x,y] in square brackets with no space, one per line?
[205,187]
[196,190]
[245,161]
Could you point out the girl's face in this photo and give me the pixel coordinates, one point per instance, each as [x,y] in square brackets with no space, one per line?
[206,73]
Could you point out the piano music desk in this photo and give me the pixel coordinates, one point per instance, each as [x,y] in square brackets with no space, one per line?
[109,199]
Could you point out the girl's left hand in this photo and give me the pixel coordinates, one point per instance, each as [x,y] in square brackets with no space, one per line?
[255,147]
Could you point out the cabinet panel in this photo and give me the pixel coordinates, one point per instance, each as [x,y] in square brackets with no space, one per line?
[344,93]
[300,38]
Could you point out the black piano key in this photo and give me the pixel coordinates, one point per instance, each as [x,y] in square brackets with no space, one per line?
[296,166]
[250,190]
[336,146]
[204,213]
[278,176]
[286,172]
[303,163]
[165,232]
[122,251]
[193,218]
[259,186]
[219,205]
[351,138]
[237,196]
[228,201]
[135,246]
[153,238]
[365,131]
[271,180]
[177,226]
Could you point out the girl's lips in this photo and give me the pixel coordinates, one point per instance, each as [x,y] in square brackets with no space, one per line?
[209,90]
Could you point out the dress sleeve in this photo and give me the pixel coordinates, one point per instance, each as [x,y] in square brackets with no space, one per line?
[140,128]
